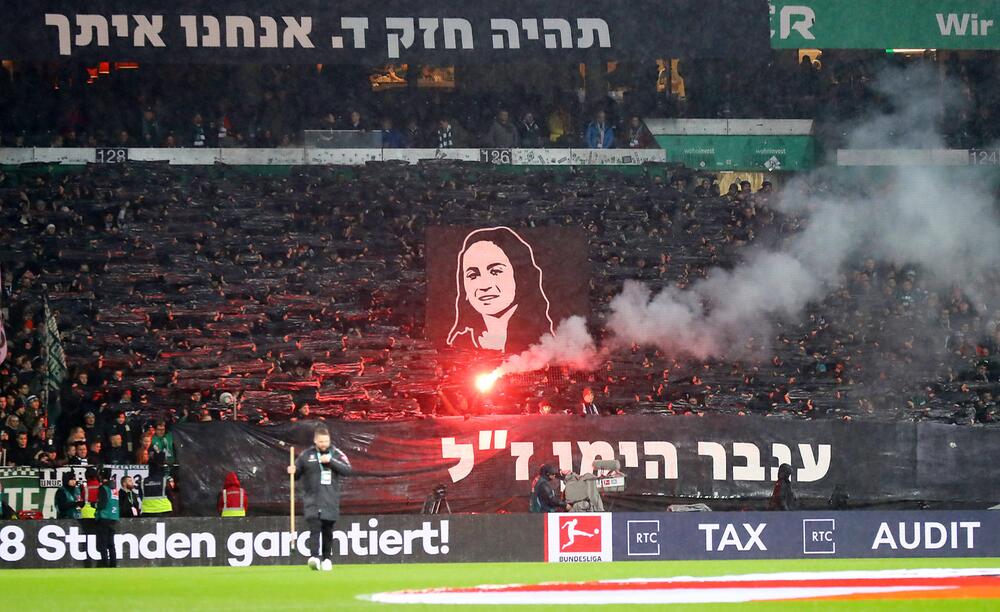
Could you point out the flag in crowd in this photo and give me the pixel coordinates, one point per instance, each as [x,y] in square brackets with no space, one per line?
[3,336]
[56,359]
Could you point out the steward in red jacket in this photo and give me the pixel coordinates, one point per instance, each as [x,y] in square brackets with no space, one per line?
[233,498]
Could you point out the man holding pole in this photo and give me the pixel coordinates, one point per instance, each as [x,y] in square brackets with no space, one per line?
[319,469]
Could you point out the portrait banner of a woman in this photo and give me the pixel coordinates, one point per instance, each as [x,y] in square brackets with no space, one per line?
[500,288]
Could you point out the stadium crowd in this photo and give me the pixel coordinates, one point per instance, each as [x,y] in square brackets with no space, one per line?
[270,106]
[198,294]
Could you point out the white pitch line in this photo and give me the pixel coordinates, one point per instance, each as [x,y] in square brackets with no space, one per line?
[922,572]
[618,591]
[638,596]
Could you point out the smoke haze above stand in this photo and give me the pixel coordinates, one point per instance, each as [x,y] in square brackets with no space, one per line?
[935,219]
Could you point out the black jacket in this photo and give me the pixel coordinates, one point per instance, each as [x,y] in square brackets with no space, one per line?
[321,482]
[783,498]
[129,505]
[21,456]
[116,456]
[548,497]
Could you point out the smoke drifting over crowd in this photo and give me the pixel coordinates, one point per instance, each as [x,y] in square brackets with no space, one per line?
[571,346]
[936,220]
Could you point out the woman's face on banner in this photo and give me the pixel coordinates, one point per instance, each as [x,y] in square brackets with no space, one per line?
[488,278]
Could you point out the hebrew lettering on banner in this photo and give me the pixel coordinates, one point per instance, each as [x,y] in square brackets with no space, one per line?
[488,463]
[658,456]
[241,32]
[303,31]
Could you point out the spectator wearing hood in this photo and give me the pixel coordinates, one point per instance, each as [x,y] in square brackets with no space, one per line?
[13,426]
[545,497]
[783,498]
[69,498]
[233,498]
[502,133]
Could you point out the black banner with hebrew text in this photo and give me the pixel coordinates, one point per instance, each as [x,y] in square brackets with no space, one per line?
[488,463]
[373,33]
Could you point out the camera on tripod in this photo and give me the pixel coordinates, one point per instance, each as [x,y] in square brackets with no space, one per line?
[437,499]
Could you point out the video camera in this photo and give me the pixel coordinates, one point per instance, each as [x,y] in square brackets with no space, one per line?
[583,491]
[437,501]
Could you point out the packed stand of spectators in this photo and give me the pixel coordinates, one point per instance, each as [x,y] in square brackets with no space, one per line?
[198,294]
[270,106]
[193,106]
[88,422]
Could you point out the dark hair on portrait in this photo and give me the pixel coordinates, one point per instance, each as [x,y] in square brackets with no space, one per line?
[530,321]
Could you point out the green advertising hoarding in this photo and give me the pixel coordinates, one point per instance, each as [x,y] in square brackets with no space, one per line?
[739,152]
[34,489]
[885,24]
[22,490]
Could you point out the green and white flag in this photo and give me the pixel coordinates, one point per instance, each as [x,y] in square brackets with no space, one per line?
[56,359]
[3,336]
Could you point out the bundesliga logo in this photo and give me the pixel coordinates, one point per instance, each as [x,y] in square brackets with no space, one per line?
[579,534]
[578,537]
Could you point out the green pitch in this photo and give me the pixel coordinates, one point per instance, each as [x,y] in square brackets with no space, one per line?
[298,588]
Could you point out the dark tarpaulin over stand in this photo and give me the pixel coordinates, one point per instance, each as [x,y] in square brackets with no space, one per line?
[487,463]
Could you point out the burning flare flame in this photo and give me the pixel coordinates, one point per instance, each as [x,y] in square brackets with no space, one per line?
[485,381]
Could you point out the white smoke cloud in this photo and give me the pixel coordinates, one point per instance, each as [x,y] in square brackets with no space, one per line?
[571,346]
[934,218]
